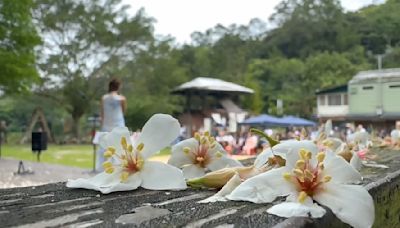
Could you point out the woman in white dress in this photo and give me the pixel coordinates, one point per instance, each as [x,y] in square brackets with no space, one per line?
[113,107]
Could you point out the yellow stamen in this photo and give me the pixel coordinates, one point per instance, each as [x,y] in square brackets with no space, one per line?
[302,197]
[130,148]
[298,172]
[287,176]
[206,133]
[197,136]
[320,156]
[303,154]
[212,140]
[308,175]
[107,164]
[125,163]
[300,164]
[124,143]
[321,166]
[140,147]
[218,154]
[108,154]
[124,176]
[139,163]
[109,170]
[199,159]
[112,149]
[327,143]
[327,179]
[203,140]
[186,150]
[308,155]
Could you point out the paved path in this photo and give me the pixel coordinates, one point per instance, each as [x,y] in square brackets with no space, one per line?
[44,173]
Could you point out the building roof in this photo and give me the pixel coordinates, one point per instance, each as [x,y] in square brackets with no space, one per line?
[336,89]
[373,76]
[211,85]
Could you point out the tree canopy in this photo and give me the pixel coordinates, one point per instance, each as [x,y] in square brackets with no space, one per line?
[313,44]
[18,38]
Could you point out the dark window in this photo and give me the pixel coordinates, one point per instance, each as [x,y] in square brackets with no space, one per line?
[321,99]
[394,86]
[334,99]
[346,99]
[368,87]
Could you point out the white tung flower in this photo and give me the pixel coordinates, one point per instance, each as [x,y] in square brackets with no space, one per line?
[127,167]
[199,154]
[307,177]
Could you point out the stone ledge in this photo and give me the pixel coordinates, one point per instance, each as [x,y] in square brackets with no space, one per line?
[55,205]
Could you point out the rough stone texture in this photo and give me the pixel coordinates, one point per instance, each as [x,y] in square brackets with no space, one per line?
[55,205]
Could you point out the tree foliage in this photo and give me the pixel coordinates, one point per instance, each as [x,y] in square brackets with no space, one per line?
[85,43]
[314,44]
[18,38]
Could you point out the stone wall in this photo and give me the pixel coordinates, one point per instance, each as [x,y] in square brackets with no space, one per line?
[55,205]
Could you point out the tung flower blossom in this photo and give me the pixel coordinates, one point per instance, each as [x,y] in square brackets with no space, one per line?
[309,176]
[199,154]
[127,167]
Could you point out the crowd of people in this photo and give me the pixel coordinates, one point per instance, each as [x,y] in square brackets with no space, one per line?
[247,143]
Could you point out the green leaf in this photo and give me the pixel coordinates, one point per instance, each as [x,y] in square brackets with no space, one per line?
[272,142]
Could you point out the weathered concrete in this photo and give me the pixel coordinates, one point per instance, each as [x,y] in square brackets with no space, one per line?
[55,205]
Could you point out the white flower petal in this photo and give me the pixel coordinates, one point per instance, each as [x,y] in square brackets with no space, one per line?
[217,148]
[106,183]
[294,209]
[178,157]
[192,171]
[336,143]
[263,188]
[350,203]
[158,132]
[161,176]
[227,189]
[222,162]
[292,147]
[356,162]
[113,138]
[341,171]
[262,158]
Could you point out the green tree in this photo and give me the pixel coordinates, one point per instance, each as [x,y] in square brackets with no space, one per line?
[149,81]
[379,26]
[310,26]
[86,42]
[18,38]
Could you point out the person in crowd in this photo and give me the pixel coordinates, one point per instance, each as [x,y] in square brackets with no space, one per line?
[250,145]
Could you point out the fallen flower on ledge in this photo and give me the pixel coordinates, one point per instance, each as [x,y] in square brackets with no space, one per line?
[309,176]
[229,178]
[127,167]
[196,156]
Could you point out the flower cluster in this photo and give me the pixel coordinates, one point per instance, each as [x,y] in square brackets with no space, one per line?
[200,154]
[127,166]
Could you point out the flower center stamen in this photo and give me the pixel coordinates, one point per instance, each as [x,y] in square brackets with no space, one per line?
[201,156]
[130,160]
[307,177]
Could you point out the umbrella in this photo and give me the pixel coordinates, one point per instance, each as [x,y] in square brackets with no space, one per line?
[296,121]
[264,120]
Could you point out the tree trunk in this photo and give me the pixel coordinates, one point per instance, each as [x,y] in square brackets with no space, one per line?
[76,127]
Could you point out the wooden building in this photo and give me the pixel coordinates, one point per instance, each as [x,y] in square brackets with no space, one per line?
[211,102]
[371,98]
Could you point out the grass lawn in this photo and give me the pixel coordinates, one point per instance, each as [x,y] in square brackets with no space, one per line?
[70,155]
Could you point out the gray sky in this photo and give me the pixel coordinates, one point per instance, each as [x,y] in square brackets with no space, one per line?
[179,18]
